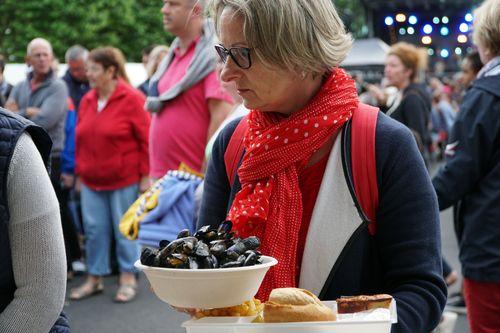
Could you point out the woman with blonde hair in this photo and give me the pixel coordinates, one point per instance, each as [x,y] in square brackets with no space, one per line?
[112,166]
[155,57]
[299,184]
[470,179]
[403,66]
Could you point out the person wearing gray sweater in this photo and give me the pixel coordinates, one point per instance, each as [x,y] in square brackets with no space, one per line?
[33,266]
[42,97]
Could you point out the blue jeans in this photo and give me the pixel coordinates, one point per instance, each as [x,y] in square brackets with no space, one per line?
[101,212]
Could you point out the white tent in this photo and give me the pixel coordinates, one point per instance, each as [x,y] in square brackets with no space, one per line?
[367,52]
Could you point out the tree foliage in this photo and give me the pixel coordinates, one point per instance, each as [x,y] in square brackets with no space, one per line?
[129,25]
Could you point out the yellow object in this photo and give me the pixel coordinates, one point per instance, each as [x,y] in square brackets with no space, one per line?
[249,308]
[129,224]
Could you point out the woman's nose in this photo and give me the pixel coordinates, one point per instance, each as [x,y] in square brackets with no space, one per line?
[229,71]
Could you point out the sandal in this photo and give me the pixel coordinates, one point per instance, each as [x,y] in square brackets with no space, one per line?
[86,290]
[126,293]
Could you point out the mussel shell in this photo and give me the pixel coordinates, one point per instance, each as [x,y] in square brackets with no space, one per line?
[148,257]
[225,227]
[164,243]
[231,264]
[238,247]
[231,255]
[202,250]
[184,233]
[218,249]
[251,243]
[251,259]
[193,263]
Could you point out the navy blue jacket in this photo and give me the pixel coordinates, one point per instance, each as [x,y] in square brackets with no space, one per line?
[76,88]
[402,259]
[470,179]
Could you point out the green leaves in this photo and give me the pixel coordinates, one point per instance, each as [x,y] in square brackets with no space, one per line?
[127,24]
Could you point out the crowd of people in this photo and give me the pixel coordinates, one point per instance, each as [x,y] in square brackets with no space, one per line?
[327,166]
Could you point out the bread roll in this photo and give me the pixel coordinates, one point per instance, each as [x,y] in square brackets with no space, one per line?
[295,305]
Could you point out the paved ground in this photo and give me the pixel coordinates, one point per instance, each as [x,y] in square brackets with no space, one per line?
[148,314]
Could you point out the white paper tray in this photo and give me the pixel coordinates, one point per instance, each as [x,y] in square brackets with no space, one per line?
[245,325]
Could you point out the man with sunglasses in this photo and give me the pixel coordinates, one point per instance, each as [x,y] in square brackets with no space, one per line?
[185,96]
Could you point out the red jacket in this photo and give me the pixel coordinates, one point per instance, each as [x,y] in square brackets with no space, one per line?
[112,145]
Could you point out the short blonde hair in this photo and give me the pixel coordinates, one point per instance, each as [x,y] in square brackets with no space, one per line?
[297,35]
[486,28]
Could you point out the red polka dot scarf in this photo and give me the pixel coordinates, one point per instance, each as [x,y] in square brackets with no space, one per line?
[269,204]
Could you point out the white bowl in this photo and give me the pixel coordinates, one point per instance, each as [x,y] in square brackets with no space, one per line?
[207,288]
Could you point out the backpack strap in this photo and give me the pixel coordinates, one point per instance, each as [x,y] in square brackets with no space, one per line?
[364,164]
[234,150]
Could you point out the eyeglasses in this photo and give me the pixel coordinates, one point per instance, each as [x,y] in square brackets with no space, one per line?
[240,55]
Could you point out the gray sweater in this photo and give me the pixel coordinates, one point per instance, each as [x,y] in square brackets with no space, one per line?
[37,244]
[51,97]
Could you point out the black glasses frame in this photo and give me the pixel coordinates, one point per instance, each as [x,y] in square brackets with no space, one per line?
[224,53]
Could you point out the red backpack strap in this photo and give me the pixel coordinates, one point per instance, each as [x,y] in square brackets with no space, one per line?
[234,150]
[364,164]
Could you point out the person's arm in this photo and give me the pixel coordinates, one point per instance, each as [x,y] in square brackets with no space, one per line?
[11,103]
[408,233]
[219,110]
[37,245]
[140,120]
[473,138]
[53,108]
[216,189]
[415,114]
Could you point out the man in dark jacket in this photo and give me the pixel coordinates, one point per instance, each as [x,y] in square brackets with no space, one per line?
[471,179]
[76,77]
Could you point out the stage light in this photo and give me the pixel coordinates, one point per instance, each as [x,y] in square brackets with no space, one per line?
[389,21]
[410,31]
[462,39]
[445,19]
[430,51]
[402,31]
[444,31]
[458,51]
[400,17]
[412,20]
[428,29]
[445,53]
[426,40]
[464,27]
[469,17]
[435,20]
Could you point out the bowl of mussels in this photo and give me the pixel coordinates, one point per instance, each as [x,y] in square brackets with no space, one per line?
[212,268]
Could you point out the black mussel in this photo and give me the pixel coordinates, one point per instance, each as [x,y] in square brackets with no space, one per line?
[177,259]
[251,243]
[218,248]
[164,243]
[202,250]
[238,247]
[193,263]
[183,233]
[148,257]
[200,234]
[250,259]
[188,248]
[210,262]
[241,259]
[231,264]
[231,255]
[210,236]
[225,227]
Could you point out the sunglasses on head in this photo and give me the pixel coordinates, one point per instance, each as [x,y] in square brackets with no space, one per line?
[240,55]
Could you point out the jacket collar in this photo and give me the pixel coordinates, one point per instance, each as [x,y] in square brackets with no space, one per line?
[120,90]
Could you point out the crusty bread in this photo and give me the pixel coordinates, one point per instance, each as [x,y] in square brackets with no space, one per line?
[295,305]
[363,303]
